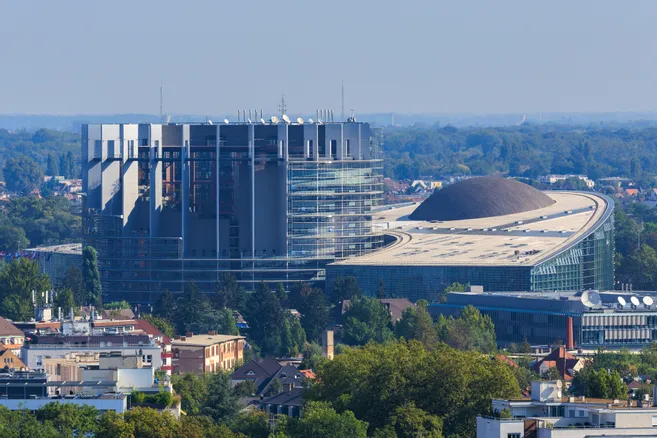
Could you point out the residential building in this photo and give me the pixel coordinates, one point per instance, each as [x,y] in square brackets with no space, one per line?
[11,337]
[31,391]
[43,347]
[547,414]
[551,179]
[498,233]
[289,402]
[169,203]
[206,353]
[129,373]
[9,360]
[565,363]
[395,306]
[260,372]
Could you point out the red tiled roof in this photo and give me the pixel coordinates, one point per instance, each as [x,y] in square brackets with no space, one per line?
[561,359]
[150,329]
[9,329]
[506,360]
[308,374]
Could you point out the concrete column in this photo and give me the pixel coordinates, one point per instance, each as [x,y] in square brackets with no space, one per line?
[218,224]
[185,152]
[155,176]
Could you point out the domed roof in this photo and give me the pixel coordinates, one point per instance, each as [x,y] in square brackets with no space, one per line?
[480,197]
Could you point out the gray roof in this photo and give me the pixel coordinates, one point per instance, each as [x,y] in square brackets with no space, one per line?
[481,197]
[293,397]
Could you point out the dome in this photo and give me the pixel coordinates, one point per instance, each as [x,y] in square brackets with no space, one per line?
[481,197]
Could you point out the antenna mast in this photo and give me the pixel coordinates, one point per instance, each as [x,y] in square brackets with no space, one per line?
[282,107]
[343,101]
[161,114]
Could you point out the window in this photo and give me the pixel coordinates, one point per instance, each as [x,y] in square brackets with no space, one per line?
[654,421]
[348,148]
[334,148]
[512,435]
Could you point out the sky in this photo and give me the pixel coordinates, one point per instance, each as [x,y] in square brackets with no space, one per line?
[411,56]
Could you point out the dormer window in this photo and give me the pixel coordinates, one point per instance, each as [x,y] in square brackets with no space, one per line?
[250,373]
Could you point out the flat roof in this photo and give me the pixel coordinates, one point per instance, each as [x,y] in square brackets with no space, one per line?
[68,248]
[520,239]
[204,340]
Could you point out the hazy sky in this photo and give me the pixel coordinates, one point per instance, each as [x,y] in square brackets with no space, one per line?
[214,56]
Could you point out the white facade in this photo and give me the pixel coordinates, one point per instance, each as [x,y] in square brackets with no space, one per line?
[33,354]
[105,403]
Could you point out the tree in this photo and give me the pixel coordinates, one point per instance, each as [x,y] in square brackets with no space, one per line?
[409,422]
[456,287]
[293,337]
[377,379]
[252,424]
[74,282]
[416,323]
[320,420]
[69,419]
[266,319]
[17,281]
[117,305]
[149,423]
[274,388]
[600,383]
[312,356]
[314,314]
[52,169]
[162,324]
[22,174]
[221,403]
[12,238]
[165,306]
[345,288]
[190,308]
[281,294]
[229,293]
[472,331]
[381,290]
[91,276]
[366,320]
[525,347]
[552,373]
[64,300]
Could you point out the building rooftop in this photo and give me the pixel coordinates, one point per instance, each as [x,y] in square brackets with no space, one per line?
[204,340]
[68,248]
[9,329]
[487,196]
[518,239]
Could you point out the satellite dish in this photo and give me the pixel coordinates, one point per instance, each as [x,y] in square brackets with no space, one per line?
[249,120]
[647,301]
[263,121]
[635,301]
[310,121]
[209,122]
[274,119]
[591,298]
[226,121]
[559,384]
[300,121]
[286,118]
[621,301]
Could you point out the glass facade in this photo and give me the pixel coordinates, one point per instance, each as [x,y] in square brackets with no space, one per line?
[266,202]
[587,263]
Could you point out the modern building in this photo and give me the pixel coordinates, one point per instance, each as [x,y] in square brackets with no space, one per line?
[43,347]
[268,201]
[206,353]
[55,260]
[31,391]
[548,414]
[545,317]
[498,233]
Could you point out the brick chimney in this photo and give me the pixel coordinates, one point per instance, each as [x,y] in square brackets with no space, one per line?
[570,340]
[327,344]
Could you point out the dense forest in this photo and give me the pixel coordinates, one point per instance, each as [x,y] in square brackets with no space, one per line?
[527,150]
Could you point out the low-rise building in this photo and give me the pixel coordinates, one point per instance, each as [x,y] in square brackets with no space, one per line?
[565,363]
[288,402]
[11,337]
[43,347]
[548,414]
[206,353]
[9,360]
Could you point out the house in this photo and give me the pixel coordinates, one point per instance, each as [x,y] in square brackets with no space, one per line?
[8,360]
[630,193]
[11,337]
[395,306]
[263,373]
[206,353]
[288,403]
[548,414]
[565,363]
[506,360]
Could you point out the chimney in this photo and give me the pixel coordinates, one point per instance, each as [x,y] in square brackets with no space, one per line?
[189,334]
[570,341]
[71,314]
[327,344]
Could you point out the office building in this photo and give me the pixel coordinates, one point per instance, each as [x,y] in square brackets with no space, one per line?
[498,233]
[549,414]
[268,201]
[545,317]
[55,260]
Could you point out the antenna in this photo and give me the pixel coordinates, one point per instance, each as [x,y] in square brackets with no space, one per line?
[286,119]
[161,114]
[621,301]
[591,298]
[342,102]
[262,121]
[282,107]
[647,301]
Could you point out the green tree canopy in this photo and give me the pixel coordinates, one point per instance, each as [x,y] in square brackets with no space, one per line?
[320,420]
[91,276]
[366,320]
[17,281]
[345,288]
[22,174]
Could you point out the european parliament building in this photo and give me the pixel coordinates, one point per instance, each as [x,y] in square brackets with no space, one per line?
[497,233]
[270,201]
